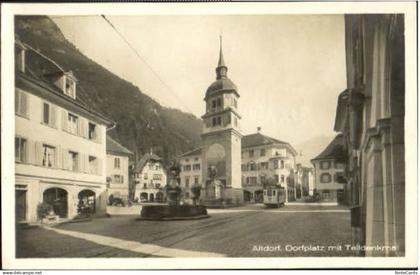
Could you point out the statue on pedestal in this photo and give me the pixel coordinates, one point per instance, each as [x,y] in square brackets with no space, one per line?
[173,190]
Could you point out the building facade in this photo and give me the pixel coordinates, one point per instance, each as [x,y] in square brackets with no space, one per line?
[191,173]
[263,160]
[305,180]
[221,140]
[60,146]
[370,114]
[117,161]
[149,176]
[329,172]
[266,160]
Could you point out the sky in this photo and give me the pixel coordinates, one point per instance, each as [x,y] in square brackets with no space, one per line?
[289,69]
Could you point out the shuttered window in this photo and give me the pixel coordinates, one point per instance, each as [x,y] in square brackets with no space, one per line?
[117,163]
[325,178]
[21,103]
[72,123]
[325,165]
[118,179]
[74,161]
[94,165]
[49,114]
[94,132]
[48,156]
[20,149]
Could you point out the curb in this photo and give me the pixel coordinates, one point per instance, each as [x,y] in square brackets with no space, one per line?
[174,218]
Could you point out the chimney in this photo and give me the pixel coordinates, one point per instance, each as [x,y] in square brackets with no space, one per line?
[258,129]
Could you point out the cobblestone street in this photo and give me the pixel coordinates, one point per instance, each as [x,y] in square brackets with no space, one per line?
[250,231]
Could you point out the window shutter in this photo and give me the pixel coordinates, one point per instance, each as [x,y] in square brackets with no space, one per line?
[84,128]
[80,163]
[78,127]
[53,115]
[81,127]
[64,117]
[99,166]
[38,153]
[23,103]
[86,164]
[30,152]
[17,100]
[57,157]
[98,133]
[63,158]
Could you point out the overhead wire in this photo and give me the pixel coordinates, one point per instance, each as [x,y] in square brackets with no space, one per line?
[145,62]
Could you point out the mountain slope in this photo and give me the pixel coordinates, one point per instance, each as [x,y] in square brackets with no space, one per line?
[311,148]
[142,123]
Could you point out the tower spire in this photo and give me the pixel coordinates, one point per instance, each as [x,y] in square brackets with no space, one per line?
[221,70]
[221,62]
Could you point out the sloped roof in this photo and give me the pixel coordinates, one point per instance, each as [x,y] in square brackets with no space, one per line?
[248,141]
[223,84]
[259,139]
[340,113]
[194,152]
[334,150]
[114,147]
[40,69]
[138,167]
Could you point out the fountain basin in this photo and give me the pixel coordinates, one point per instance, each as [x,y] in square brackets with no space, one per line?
[173,212]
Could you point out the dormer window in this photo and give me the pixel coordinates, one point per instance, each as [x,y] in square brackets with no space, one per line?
[69,86]
[93,135]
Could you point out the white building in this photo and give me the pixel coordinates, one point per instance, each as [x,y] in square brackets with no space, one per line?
[59,143]
[117,161]
[263,159]
[329,171]
[305,180]
[149,177]
[266,159]
[190,163]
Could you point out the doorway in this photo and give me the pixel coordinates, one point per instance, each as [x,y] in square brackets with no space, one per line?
[21,205]
[57,198]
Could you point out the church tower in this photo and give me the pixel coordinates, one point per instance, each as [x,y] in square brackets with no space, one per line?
[221,138]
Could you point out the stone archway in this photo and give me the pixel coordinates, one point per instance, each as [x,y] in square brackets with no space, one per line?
[86,202]
[151,197]
[58,199]
[144,196]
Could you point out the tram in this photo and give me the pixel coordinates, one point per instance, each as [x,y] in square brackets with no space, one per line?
[274,196]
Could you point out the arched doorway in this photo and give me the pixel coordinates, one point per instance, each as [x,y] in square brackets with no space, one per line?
[159,197]
[151,197]
[143,197]
[57,198]
[87,202]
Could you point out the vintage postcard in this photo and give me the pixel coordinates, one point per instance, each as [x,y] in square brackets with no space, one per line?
[209,135]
